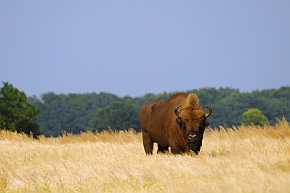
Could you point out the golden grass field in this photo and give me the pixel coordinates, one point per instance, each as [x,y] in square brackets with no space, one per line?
[250,159]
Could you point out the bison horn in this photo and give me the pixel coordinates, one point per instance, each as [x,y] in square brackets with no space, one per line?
[176,111]
[209,111]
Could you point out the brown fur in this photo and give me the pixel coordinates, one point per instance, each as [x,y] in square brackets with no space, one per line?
[160,124]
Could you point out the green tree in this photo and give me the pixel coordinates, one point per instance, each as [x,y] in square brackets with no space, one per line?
[70,113]
[117,116]
[254,116]
[75,112]
[16,113]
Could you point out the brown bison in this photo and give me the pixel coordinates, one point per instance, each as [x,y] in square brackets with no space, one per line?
[178,123]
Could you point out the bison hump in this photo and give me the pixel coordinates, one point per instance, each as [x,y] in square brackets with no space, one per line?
[179,95]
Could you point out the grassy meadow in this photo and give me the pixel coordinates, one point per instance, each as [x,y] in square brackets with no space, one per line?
[243,159]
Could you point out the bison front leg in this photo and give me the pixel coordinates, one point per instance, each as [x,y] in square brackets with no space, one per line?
[147,142]
[162,149]
[179,149]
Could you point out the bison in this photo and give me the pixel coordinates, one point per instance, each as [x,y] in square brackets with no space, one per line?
[178,123]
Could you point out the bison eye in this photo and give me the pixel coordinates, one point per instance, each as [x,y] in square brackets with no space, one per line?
[183,126]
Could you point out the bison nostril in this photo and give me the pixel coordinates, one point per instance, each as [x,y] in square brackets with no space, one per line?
[192,137]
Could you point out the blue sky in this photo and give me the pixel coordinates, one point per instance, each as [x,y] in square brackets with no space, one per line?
[138,47]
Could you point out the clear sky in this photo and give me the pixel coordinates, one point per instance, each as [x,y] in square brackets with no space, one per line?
[138,47]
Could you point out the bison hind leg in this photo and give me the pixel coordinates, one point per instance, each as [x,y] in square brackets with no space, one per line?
[162,149]
[147,143]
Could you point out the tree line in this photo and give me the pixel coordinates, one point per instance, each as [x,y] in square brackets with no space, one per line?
[75,113]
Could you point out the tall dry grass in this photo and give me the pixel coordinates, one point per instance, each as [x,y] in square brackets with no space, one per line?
[243,159]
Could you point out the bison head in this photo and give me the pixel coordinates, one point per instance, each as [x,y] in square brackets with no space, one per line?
[192,121]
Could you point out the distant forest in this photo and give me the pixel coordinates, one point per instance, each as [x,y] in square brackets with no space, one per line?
[75,113]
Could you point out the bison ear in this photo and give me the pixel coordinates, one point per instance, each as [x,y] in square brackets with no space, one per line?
[206,122]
